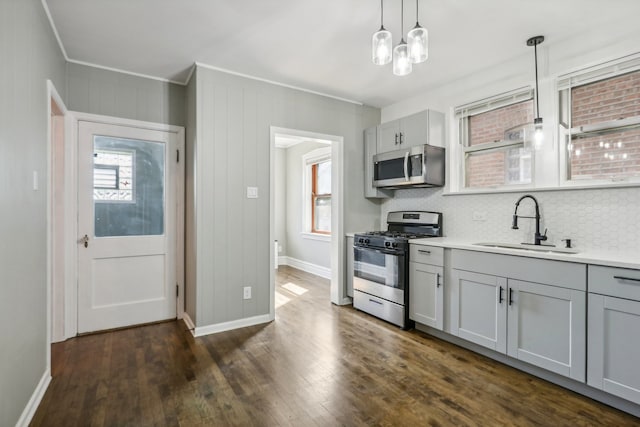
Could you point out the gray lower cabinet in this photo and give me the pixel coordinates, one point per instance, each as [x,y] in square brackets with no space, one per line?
[479,309]
[349,265]
[426,285]
[614,322]
[546,327]
[543,324]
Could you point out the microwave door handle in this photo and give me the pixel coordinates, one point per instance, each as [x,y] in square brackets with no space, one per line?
[406,166]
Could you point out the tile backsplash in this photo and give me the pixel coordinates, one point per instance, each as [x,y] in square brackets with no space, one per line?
[607,219]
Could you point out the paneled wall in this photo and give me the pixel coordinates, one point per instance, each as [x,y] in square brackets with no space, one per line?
[29,55]
[234,115]
[98,91]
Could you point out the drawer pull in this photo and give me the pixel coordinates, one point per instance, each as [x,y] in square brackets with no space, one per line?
[377,302]
[422,251]
[626,278]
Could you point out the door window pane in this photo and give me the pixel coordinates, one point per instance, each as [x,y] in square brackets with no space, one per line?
[128,181]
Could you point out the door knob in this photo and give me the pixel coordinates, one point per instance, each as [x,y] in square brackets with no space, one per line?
[85,240]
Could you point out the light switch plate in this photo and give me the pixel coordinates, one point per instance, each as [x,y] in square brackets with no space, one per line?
[247,292]
[252,192]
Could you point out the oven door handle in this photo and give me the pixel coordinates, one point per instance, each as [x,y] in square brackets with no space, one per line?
[380,251]
[406,166]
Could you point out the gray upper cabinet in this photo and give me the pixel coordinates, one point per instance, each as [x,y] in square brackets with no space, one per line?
[614,319]
[425,127]
[370,150]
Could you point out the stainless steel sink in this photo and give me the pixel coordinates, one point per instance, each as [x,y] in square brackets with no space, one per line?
[523,247]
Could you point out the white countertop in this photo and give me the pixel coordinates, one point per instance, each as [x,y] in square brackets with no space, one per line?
[586,256]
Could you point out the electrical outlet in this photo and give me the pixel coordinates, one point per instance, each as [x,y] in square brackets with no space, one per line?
[479,216]
[247,292]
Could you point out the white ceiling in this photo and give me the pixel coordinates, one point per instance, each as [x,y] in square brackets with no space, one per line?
[320,45]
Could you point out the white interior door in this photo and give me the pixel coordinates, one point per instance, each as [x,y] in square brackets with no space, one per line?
[129,195]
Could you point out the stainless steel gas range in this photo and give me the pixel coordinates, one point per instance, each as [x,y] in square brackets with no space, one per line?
[381,264]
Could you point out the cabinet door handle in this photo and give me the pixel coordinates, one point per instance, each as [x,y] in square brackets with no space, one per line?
[396,139]
[423,251]
[374,301]
[500,296]
[438,280]
[631,279]
[401,135]
[510,296]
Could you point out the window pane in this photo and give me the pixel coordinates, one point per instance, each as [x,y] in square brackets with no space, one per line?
[324,178]
[322,217]
[490,126]
[615,155]
[604,100]
[501,167]
[128,189]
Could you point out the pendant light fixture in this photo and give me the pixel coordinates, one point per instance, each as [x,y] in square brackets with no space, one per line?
[538,134]
[401,62]
[418,39]
[381,43]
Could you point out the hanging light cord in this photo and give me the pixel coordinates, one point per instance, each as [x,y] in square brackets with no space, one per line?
[381,14]
[402,19]
[535,53]
[417,23]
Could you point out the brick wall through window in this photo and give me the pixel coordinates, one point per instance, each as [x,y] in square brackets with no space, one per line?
[613,155]
[490,126]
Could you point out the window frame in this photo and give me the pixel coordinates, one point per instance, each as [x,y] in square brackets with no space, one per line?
[463,114]
[315,195]
[565,84]
[316,156]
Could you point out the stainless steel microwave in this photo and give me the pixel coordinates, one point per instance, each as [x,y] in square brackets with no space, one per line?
[418,166]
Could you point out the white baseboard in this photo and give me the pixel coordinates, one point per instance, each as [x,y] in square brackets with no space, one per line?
[199,331]
[34,402]
[187,321]
[318,270]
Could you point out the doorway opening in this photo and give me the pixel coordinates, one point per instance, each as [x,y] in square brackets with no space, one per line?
[306,210]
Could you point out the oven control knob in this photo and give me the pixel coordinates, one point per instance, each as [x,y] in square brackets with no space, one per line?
[387,244]
[394,244]
[366,241]
[360,240]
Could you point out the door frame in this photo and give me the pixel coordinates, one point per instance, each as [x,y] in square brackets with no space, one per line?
[338,284]
[70,291]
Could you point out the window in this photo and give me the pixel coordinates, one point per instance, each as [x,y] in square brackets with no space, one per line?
[494,135]
[600,123]
[317,193]
[321,197]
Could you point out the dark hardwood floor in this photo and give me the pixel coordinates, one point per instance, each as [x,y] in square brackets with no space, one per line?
[317,364]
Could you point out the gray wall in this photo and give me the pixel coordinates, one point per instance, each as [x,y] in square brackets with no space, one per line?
[304,249]
[109,93]
[29,55]
[234,115]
